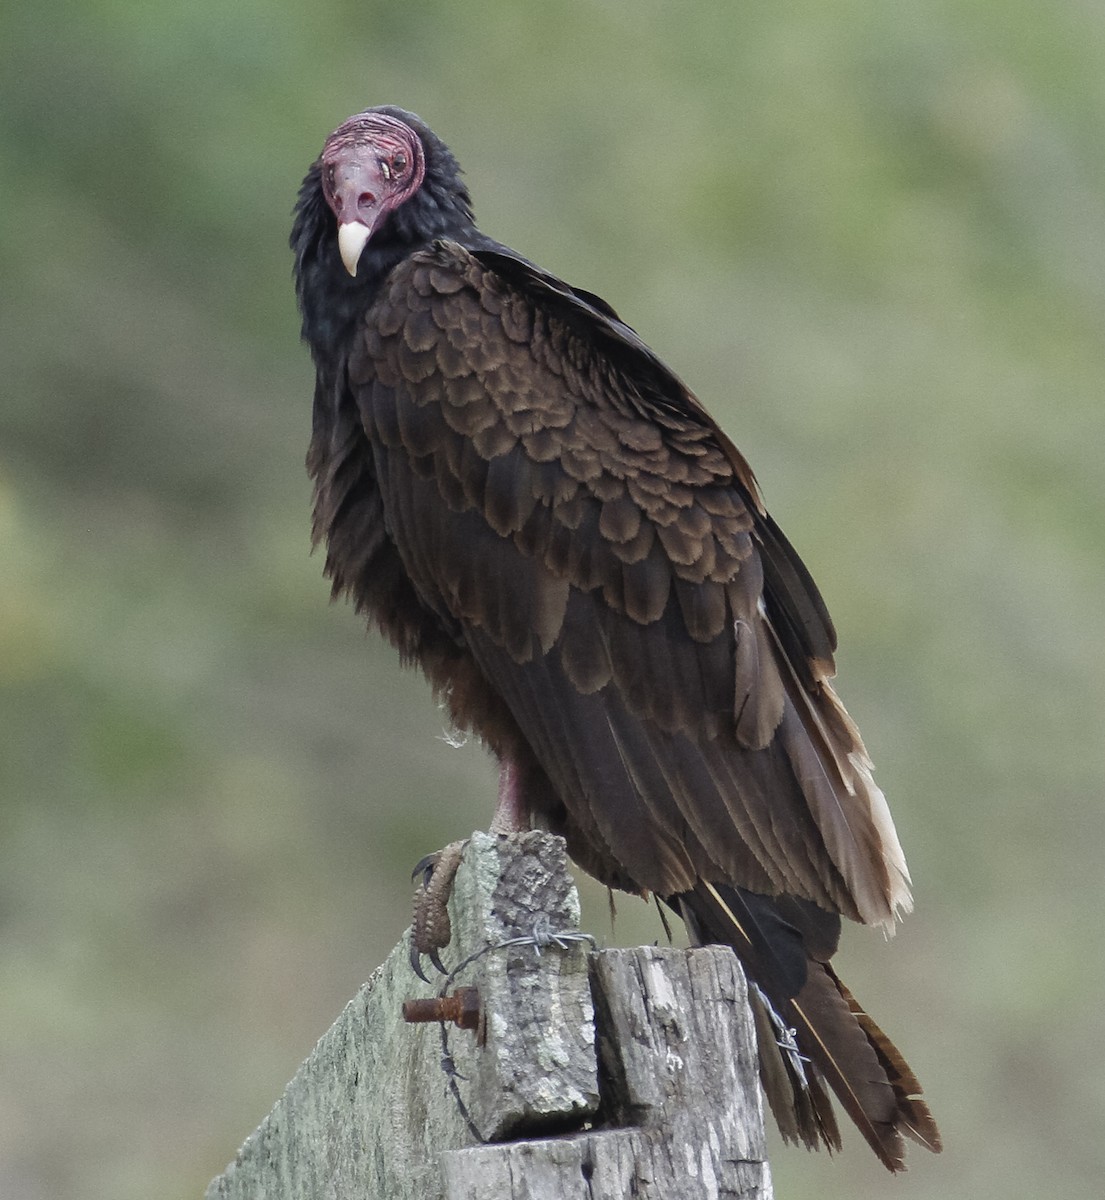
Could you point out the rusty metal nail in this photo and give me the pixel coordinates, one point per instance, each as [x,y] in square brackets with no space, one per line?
[462,1008]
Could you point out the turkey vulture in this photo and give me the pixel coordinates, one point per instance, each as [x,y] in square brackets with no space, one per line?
[534,509]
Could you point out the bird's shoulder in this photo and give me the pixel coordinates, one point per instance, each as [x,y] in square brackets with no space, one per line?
[531,402]
[486,295]
[478,355]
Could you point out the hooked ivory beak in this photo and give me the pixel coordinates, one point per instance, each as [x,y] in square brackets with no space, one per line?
[352,239]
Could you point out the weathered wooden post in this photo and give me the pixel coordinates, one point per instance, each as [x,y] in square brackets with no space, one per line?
[595,1075]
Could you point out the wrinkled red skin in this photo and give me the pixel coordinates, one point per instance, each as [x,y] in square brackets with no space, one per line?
[370,165]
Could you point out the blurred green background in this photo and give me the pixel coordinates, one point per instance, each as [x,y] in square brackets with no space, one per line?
[871,237]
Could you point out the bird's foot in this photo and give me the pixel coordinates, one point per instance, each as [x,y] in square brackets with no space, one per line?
[431,930]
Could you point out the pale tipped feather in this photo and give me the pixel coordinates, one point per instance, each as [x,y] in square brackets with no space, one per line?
[901,898]
[856,824]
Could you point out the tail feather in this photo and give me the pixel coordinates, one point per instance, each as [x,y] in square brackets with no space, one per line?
[797,1096]
[836,1042]
[812,1033]
[914,1116]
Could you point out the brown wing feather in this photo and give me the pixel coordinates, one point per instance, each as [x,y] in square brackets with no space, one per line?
[583,529]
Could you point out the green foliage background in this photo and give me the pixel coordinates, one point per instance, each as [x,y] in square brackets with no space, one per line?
[871,236]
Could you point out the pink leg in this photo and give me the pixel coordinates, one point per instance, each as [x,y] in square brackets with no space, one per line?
[511,814]
[431,929]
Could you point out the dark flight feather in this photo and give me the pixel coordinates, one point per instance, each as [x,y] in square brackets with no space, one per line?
[519,494]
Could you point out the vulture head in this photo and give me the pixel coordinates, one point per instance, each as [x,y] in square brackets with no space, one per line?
[386,176]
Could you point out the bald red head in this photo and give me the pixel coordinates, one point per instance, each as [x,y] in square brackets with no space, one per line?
[371,164]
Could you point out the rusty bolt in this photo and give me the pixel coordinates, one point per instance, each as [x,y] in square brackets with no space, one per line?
[462,1008]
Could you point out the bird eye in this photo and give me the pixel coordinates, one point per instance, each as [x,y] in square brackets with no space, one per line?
[399,162]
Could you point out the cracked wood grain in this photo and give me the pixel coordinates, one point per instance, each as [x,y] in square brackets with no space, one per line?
[623,1072]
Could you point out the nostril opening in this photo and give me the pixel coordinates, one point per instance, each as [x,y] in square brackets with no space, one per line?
[366,198]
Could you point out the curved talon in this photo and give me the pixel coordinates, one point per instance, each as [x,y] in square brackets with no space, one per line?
[425,868]
[416,957]
[416,961]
